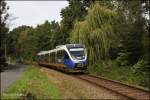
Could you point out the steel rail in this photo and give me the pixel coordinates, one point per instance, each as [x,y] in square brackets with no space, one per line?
[117,87]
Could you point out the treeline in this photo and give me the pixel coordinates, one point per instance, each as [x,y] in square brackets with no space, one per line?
[25,42]
[111,30]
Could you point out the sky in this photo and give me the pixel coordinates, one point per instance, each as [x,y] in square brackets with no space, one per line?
[32,13]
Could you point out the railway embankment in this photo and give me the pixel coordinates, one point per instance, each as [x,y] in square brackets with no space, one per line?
[71,87]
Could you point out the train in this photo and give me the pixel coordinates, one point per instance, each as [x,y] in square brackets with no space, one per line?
[68,57]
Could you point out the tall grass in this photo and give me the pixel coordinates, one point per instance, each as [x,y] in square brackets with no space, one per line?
[95,32]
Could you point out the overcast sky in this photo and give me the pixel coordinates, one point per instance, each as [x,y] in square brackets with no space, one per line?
[34,12]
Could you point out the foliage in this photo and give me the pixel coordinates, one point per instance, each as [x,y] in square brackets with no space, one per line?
[3,31]
[96,32]
[25,42]
[76,10]
[130,32]
[111,70]
[142,67]
[38,86]
[3,17]
[14,40]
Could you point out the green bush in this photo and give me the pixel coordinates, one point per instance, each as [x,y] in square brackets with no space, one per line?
[122,59]
[142,67]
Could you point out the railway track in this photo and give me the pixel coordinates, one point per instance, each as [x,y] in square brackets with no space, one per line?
[127,91]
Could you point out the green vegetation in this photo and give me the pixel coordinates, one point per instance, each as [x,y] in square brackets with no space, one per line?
[3,31]
[24,42]
[97,30]
[34,83]
[125,74]
[76,11]
[4,15]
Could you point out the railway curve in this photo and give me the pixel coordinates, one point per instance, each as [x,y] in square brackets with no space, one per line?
[125,90]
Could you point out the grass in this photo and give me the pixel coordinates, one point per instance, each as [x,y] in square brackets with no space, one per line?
[33,83]
[123,74]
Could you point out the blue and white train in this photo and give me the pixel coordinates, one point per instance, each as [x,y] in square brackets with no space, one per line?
[70,57]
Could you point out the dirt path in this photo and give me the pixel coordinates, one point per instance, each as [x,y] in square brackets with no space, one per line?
[73,88]
[10,75]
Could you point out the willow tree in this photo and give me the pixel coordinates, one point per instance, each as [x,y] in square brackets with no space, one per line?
[96,32]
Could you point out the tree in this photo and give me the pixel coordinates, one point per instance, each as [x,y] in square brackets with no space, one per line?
[3,30]
[25,42]
[96,32]
[58,35]
[14,40]
[3,18]
[76,11]
[47,35]
[130,32]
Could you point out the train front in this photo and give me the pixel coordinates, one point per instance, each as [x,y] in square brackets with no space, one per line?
[78,55]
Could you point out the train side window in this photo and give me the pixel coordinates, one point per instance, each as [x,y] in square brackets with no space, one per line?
[59,54]
[51,57]
[54,57]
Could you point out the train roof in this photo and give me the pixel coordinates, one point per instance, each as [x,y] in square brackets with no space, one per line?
[60,47]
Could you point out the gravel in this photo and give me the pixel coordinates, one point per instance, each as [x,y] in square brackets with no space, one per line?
[73,88]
